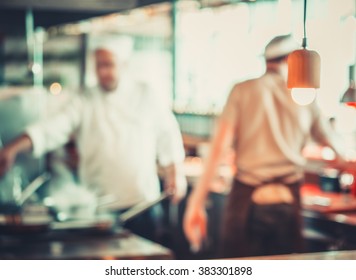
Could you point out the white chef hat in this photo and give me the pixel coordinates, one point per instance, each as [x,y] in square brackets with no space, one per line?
[280,46]
[121,47]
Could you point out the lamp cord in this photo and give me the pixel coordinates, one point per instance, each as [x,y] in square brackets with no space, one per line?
[304,44]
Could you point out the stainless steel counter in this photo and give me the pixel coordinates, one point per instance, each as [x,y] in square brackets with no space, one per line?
[330,255]
[81,245]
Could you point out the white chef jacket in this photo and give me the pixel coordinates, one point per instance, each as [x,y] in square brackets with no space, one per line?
[271,130]
[119,135]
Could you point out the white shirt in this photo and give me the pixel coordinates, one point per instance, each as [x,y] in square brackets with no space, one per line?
[271,130]
[119,137]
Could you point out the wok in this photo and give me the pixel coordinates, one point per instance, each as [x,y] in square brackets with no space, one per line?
[105,222]
[108,221]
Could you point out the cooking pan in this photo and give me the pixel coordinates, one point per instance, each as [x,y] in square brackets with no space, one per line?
[15,223]
[108,221]
[12,219]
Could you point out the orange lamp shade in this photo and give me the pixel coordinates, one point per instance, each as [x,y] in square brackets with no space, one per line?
[303,69]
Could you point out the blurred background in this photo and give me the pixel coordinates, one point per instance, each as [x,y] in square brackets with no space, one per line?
[190,51]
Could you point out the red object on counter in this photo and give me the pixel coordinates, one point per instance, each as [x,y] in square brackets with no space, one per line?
[313,198]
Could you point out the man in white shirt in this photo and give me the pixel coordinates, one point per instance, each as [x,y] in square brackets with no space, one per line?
[268,132]
[121,130]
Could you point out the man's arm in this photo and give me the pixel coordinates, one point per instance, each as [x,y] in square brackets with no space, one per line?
[175,182]
[170,152]
[8,154]
[56,130]
[195,219]
[323,134]
[44,136]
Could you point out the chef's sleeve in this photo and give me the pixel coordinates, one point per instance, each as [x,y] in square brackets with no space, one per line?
[170,148]
[53,132]
[322,133]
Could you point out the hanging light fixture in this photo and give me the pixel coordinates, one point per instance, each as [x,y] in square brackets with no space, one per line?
[304,71]
[349,97]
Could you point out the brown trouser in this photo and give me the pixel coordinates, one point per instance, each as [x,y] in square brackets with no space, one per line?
[249,229]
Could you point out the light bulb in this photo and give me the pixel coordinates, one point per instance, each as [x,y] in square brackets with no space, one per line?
[55,88]
[303,96]
[36,68]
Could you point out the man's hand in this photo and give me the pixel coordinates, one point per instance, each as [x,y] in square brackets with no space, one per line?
[195,223]
[7,158]
[343,165]
[8,154]
[175,182]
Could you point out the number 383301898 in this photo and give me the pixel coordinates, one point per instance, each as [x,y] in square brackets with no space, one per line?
[220,270]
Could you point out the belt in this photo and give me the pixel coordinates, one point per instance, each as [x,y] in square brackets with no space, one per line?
[255,180]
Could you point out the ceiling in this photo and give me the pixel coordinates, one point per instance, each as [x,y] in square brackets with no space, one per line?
[47,13]
[54,12]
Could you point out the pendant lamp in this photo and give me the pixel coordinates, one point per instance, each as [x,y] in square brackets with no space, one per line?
[349,97]
[304,71]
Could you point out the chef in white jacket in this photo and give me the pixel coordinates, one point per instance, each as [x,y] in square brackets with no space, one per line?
[121,131]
